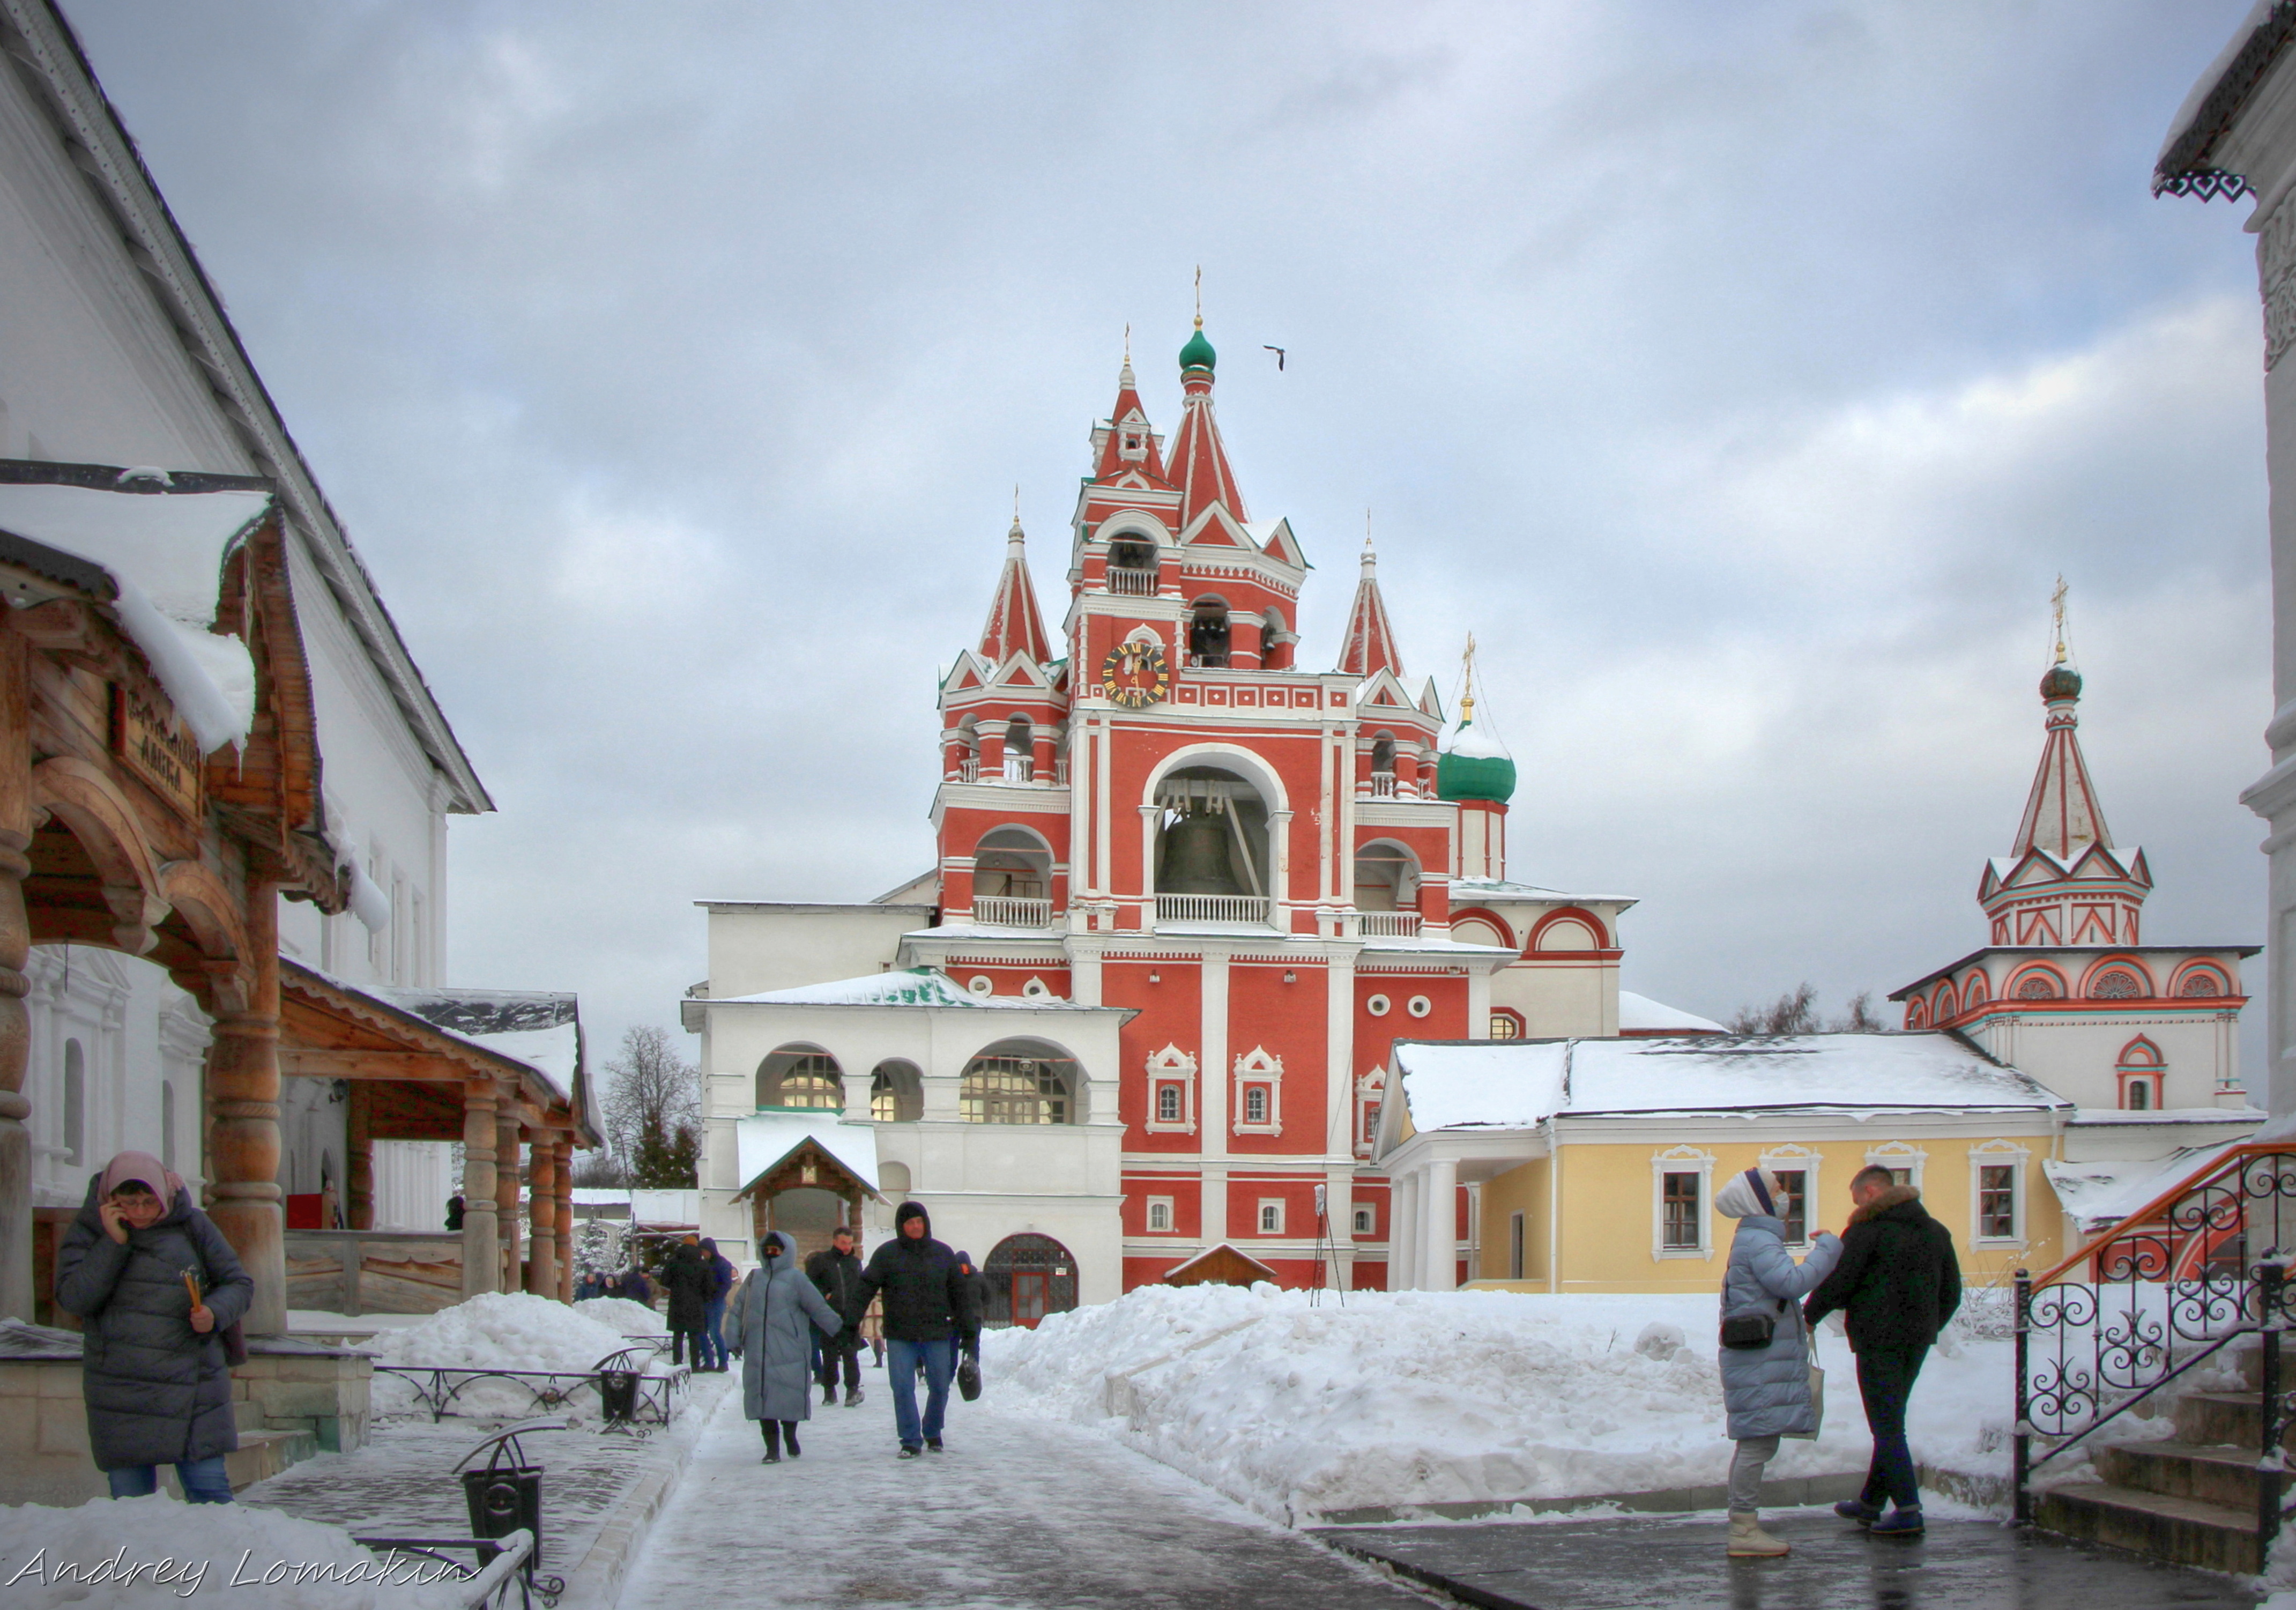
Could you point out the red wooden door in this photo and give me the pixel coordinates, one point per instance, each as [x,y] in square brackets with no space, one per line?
[1029,1291]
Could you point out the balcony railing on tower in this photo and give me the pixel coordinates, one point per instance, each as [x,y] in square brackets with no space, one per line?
[1132,584]
[1387,924]
[1211,908]
[1011,911]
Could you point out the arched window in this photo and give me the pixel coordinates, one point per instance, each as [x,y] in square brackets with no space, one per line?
[897,1093]
[1168,1103]
[1028,1276]
[75,1103]
[1255,1104]
[2200,982]
[1012,863]
[2116,984]
[1211,838]
[2140,1094]
[1383,753]
[1208,632]
[1386,877]
[1275,642]
[1020,1081]
[801,1076]
[2037,986]
[1019,750]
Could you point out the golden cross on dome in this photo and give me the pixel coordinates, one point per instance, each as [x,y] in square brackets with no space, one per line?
[1467,682]
[1128,345]
[2057,613]
[1199,296]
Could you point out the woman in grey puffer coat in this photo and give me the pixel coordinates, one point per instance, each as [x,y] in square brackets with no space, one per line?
[153,1366]
[1766,1390]
[773,1313]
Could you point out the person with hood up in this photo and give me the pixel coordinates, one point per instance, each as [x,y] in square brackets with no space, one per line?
[1899,1281]
[1765,1385]
[928,1301]
[713,1315]
[157,1287]
[775,1312]
[687,1277]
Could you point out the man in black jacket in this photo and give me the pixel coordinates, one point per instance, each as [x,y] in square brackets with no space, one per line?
[1899,1282]
[837,1273]
[688,1278]
[927,1300]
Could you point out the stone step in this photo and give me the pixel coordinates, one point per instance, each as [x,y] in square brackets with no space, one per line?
[2234,1419]
[2181,1531]
[2217,1474]
[263,1454]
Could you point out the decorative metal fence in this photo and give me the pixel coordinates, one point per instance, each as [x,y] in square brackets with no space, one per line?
[2171,1286]
[439,1388]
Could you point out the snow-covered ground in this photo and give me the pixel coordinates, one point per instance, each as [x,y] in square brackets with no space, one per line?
[1394,1401]
[504,1330]
[154,1553]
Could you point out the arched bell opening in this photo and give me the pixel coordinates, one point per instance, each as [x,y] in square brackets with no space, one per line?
[1013,878]
[1019,750]
[897,1094]
[1133,560]
[1208,632]
[1212,837]
[801,1076]
[1386,877]
[1021,1081]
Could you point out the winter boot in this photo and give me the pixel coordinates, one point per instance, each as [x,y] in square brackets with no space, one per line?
[1900,1522]
[1857,1510]
[852,1397]
[1748,1541]
[773,1434]
[829,1395]
[788,1437]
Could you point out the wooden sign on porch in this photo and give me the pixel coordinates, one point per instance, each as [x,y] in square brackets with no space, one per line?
[152,744]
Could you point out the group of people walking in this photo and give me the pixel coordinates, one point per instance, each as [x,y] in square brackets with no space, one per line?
[1893,1275]
[785,1317]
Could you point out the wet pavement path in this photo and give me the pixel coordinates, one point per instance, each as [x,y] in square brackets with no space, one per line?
[1678,1564]
[1020,1512]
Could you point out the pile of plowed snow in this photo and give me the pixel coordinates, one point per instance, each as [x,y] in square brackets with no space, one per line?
[628,1317]
[1304,1410]
[154,1553]
[497,1330]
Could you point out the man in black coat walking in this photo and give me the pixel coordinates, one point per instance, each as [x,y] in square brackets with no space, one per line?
[836,1272]
[688,1278]
[1899,1282]
[928,1300]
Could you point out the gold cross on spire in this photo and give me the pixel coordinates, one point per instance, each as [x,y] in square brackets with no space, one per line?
[1467,682]
[1199,296]
[2057,614]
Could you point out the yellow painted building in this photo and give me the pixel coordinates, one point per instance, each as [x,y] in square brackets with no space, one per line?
[1590,1165]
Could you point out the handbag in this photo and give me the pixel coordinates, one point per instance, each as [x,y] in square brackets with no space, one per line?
[968,1378]
[1749,1331]
[1816,1407]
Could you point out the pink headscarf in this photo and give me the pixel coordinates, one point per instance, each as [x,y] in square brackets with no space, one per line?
[141,1165]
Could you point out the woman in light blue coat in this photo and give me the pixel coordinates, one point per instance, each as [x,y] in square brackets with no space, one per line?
[1765,1389]
[775,1313]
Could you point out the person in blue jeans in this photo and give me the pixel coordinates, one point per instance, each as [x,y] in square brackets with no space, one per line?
[927,1303]
[157,1287]
[712,1347]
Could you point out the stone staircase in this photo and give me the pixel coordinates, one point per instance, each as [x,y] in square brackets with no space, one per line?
[2191,1500]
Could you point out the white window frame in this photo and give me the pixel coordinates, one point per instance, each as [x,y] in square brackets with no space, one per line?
[1682,1160]
[1899,1154]
[1172,1066]
[1270,1205]
[1371,1090]
[1161,1204]
[1257,1067]
[1796,1158]
[1997,1153]
[1518,1256]
[1363,1221]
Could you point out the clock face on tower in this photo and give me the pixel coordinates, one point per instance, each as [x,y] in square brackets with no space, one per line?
[1136,674]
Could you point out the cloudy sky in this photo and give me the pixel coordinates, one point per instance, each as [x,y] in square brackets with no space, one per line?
[1742,377]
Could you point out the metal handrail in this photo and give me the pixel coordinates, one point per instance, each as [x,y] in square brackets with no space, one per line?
[2171,1285]
[438,1392]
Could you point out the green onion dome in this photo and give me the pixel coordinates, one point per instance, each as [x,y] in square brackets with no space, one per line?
[1198,353]
[2062,682]
[1475,767]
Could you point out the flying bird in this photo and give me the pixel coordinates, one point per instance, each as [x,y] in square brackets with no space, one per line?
[1279,355]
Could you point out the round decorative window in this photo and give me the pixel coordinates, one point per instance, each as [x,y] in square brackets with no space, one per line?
[981,983]
[1034,989]
[2116,985]
[1420,1005]
[2203,983]
[2038,986]
[1376,1006]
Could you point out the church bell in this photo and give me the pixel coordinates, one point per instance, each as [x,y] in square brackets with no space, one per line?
[1196,859]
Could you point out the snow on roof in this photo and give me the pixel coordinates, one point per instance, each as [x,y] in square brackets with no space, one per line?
[903,987]
[165,552]
[2104,1193]
[1476,743]
[1519,1084]
[764,1139]
[1465,890]
[540,1029]
[2198,95]
[1641,1012]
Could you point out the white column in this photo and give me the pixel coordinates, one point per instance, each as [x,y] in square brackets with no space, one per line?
[1441,1218]
[1217,1118]
[1402,1230]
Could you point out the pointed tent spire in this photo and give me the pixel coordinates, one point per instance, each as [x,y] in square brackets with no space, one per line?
[1199,461]
[1127,442]
[1369,645]
[2061,815]
[1013,622]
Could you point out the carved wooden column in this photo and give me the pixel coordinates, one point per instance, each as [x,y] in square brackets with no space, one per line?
[541,1205]
[359,1165]
[506,1224]
[562,1170]
[15,945]
[246,1201]
[481,1252]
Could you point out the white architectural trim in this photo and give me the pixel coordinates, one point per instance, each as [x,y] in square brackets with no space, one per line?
[1793,1156]
[1258,1069]
[1899,1154]
[1995,1154]
[1171,1068]
[1682,1160]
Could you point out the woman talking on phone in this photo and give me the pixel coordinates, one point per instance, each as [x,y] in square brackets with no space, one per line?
[157,1287]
